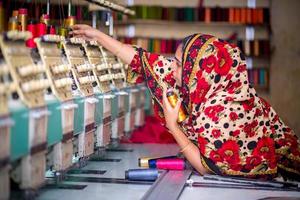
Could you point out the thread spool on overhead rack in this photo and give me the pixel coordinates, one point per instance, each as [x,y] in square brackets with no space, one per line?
[103,3]
[112,6]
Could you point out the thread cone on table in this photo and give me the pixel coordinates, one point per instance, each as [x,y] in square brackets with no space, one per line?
[141,174]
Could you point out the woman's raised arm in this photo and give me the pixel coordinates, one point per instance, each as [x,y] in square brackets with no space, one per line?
[123,51]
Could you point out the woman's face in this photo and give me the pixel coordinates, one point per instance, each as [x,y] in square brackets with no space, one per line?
[177,65]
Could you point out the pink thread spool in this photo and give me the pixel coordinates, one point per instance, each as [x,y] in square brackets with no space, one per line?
[51,30]
[171,164]
[45,19]
[31,27]
[41,29]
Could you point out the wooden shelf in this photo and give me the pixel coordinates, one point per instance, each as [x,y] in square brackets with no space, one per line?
[195,3]
[62,2]
[179,30]
[194,23]
[92,6]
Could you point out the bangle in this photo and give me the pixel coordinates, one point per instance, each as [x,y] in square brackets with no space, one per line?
[185,147]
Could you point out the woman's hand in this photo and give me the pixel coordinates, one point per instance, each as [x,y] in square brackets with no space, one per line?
[124,52]
[170,113]
[85,31]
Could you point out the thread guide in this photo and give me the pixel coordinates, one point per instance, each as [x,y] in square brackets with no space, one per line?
[5,86]
[117,73]
[58,71]
[81,69]
[32,84]
[96,57]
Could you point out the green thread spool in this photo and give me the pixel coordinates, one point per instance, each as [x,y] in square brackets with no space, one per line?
[151,45]
[62,31]
[189,14]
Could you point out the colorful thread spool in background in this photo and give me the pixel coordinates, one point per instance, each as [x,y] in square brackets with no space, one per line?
[22,18]
[168,46]
[51,30]
[259,77]
[70,21]
[32,28]
[62,32]
[141,174]
[45,19]
[13,24]
[41,29]
[15,13]
[203,14]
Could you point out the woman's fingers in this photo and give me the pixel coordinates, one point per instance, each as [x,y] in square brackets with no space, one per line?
[77,27]
[78,32]
[166,103]
[80,26]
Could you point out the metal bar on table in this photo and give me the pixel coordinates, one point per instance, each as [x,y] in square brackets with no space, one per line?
[242,180]
[64,186]
[239,186]
[100,159]
[85,171]
[105,180]
[119,150]
[169,186]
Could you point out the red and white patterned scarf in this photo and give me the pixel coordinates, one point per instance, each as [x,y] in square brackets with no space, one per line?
[238,133]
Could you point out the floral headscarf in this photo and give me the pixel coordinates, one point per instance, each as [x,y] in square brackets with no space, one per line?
[237,132]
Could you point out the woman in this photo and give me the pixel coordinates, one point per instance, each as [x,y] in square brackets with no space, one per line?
[229,129]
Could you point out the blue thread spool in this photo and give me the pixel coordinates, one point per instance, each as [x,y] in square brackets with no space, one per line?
[141,174]
[152,163]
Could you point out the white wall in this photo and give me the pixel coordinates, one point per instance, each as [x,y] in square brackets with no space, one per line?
[285,62]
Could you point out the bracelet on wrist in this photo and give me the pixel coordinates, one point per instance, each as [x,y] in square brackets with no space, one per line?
[186,147]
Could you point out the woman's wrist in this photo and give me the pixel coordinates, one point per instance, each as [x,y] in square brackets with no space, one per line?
[174,128]
[185,147]
[99,37]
